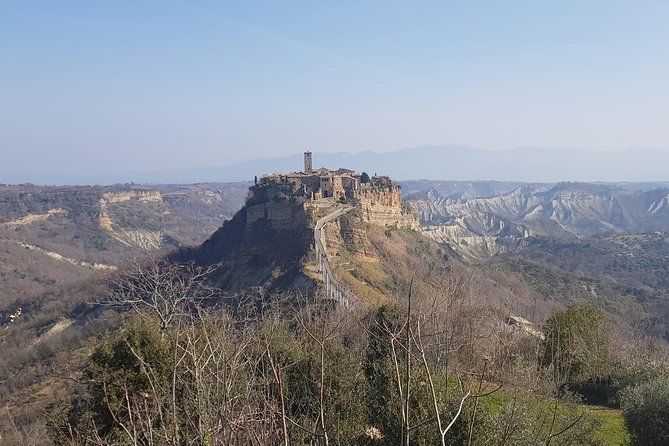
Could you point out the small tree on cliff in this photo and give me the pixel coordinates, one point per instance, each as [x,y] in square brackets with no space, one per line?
[364,178]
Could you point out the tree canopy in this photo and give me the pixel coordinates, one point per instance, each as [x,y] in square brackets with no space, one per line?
[576,344]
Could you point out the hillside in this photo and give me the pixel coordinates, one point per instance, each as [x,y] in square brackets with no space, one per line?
[485,225]
[375,251]
[262,245]
[267,242]
[295,339]
[58,248]
[596,243]
[57,235]
[624,274]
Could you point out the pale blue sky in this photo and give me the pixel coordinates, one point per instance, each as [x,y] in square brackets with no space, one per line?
[145,85]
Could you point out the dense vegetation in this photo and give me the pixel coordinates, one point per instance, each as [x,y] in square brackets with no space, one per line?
[417,371]
[626,275]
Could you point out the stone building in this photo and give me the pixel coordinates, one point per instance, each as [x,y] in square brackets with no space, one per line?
[308,167]
[324,183]
[379,199]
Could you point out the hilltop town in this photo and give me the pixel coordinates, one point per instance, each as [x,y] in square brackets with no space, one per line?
[323,183]
[378,196]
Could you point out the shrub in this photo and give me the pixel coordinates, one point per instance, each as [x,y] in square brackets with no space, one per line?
[646,411]
[576,344]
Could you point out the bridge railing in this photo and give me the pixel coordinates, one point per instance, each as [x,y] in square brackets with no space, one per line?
[333,289]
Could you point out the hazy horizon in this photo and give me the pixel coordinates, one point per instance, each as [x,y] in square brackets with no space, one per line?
[449,162]
[100,89]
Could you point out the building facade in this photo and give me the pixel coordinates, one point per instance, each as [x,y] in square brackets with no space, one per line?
[337,185]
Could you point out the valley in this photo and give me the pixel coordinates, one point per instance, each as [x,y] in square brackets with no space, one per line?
[59,246]
[569,241]
[467,257]
[334,223]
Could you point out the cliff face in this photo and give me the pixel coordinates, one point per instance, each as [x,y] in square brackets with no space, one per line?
[384,207]
[262,245]
[348,234]
[140,238]
[280,216]
[140,195]
[265,243]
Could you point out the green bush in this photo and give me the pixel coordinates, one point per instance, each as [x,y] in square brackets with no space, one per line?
[576,344]
[646,411]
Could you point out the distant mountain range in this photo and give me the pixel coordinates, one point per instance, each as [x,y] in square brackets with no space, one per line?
[427,162]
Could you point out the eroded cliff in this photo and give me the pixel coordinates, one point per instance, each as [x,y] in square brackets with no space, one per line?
[268,242]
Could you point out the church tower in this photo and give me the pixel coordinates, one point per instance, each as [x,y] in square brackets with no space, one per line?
[308,167]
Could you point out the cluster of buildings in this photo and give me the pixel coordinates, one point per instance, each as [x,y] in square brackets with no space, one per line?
[325,183]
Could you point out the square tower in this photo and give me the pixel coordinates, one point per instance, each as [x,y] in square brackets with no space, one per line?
[308,167]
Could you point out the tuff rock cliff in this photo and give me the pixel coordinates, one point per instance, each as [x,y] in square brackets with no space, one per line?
[267,243]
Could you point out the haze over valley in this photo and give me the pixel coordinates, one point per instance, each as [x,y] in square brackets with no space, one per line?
[432,162]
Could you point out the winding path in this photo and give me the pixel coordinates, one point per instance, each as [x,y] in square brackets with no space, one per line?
[333,289]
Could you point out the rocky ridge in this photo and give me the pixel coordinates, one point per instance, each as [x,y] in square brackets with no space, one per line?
[483,226]
[384,207]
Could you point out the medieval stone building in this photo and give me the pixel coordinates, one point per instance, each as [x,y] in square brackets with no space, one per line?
[378,199]
[323,183]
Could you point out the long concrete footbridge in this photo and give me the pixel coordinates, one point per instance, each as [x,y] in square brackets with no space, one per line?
[333,289]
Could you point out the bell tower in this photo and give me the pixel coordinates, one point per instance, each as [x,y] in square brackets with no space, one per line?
[308,167]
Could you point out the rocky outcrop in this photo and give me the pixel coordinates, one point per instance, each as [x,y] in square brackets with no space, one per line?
[470,247]
[265,242]
[282,216]
[34,218]
[384,207]
[262,245]
[144,239]
[139,195]
[347,233]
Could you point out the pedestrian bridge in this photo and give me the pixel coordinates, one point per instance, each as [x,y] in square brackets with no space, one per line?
[333,289]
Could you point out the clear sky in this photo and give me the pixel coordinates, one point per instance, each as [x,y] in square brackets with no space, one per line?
[117,85]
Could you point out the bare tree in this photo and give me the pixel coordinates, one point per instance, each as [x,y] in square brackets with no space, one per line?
[320,335]
[417,340]
[26,434]
[166,290]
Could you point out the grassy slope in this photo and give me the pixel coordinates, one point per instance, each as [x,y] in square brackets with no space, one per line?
[610,431]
